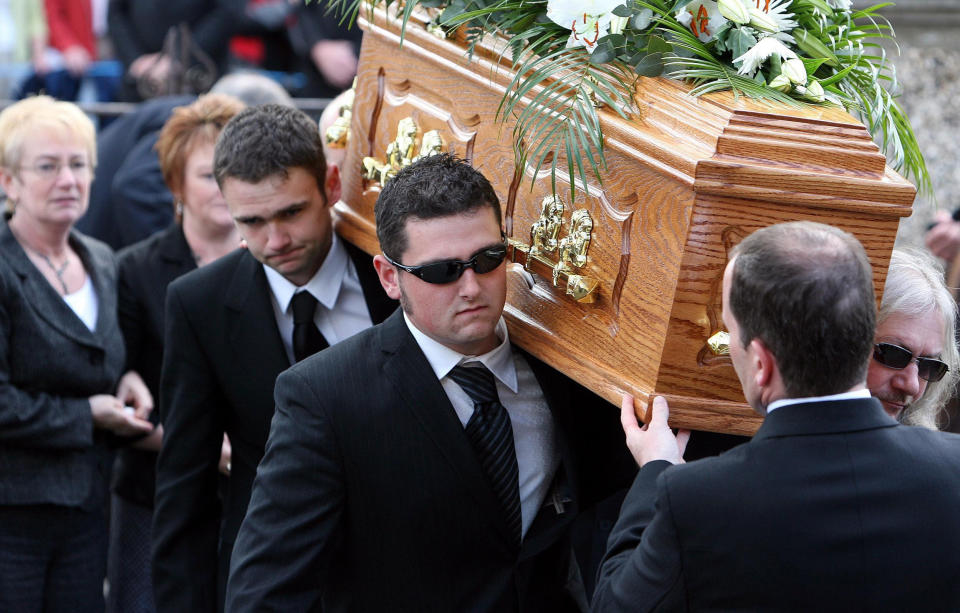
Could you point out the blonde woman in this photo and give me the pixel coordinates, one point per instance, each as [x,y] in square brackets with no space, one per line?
[62,396]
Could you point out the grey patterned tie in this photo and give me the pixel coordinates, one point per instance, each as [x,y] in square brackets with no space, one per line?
[491,435]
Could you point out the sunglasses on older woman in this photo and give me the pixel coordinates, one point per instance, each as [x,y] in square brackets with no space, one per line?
[894,356]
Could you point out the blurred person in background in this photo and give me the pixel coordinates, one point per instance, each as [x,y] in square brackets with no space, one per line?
[129,200]
[61,359]
[77,41]
[204,231]
[915,361]
[23,39]
[300,39]
[139,30]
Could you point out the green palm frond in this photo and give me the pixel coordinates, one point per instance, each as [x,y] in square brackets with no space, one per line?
[551,99]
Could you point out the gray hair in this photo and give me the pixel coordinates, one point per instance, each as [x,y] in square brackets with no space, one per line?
[915,287]
[252,89]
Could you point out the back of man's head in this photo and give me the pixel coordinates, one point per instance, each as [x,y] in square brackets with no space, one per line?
[266,141]
[805,290]
[252,89]
[435,186]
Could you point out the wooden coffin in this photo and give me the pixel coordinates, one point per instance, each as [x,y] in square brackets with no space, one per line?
[687,178]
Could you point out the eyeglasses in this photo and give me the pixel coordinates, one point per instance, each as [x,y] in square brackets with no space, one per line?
[50,169]
[447,271]
[894,356]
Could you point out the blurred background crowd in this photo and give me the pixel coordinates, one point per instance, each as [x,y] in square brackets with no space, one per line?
[132,50]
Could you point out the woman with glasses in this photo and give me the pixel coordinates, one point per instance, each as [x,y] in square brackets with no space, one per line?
[62,397]
[915,359]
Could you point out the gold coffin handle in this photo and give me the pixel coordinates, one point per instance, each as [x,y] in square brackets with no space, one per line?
[719,343]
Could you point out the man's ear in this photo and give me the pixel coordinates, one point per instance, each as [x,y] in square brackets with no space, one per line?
[331,184]
[389,276]
[764,364]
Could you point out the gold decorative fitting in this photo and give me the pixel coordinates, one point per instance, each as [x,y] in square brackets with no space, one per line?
[338,134]
[571,250]
[402,151]
[719,343]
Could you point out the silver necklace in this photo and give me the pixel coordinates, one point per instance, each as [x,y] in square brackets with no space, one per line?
[57,271]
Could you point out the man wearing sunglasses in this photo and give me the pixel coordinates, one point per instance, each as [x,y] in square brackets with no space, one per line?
[833,505]
[426,464]
[915,361]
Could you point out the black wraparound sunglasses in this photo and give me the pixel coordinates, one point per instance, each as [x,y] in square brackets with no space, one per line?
[447,271]
[894,356]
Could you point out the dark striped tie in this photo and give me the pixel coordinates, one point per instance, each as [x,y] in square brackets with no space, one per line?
[491,435]
[307,339]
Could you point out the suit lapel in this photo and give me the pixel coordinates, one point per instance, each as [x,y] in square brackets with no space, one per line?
[45,301]
[418,389]
[251,324]
[379,304]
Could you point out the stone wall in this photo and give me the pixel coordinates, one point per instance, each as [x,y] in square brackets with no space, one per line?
[928,68]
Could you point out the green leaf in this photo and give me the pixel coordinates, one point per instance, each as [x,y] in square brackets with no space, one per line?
[656,44]
[740,41]
[812,65]
[602,54]
[651,65]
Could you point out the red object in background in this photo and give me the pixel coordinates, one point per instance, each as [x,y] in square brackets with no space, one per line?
[71,23]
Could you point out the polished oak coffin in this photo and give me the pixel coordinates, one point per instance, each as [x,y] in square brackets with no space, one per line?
[687,179]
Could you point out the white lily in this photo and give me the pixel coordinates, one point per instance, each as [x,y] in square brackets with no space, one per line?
[703,17]
[815,90]
[734,10]
[794,70]
[842,5]
[761,21]
[779,13]
[760,53]
[588,20]
[781,83]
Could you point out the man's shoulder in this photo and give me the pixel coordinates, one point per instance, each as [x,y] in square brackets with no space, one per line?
[360,352]
[211,281]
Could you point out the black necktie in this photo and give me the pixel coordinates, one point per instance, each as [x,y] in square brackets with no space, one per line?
[491,435]
[307,339]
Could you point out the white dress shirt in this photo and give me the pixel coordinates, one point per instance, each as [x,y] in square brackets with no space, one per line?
[534,430]
[342,310]
[85,304]
[776,404]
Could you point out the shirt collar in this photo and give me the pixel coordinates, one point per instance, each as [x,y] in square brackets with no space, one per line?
[442,359]
[324,285]
[776,404]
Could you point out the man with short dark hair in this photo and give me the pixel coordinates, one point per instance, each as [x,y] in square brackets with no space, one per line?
[426,464]
[832,505]
[234,325]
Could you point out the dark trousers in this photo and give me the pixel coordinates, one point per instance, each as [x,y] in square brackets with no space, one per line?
[129,562]
[52,559]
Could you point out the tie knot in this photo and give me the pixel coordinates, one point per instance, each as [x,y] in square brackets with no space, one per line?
[477,382]
[304,306]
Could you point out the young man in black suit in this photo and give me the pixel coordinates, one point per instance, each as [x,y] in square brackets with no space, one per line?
[234,325]
[832,505]
[427,464]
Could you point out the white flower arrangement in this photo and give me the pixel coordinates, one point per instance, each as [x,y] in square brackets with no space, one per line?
[791,51]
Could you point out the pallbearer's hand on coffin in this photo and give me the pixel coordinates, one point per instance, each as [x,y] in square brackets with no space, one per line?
[655,440]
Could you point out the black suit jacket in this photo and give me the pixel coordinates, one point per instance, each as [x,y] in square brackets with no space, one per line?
[145,271]
[831,506]
[50,364]
[222,355]
[371,495]
[129,200]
